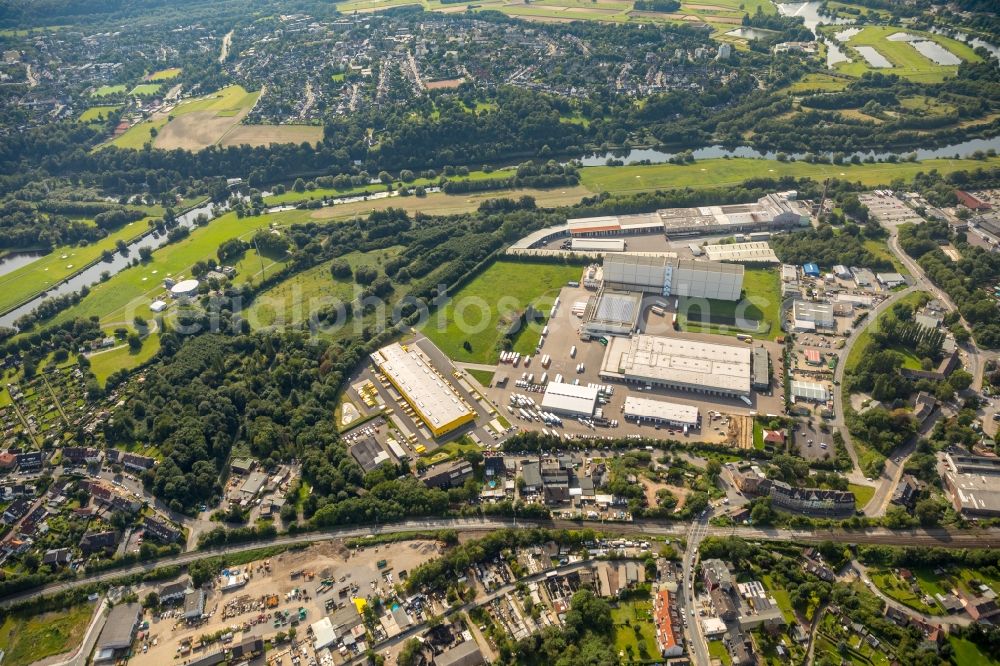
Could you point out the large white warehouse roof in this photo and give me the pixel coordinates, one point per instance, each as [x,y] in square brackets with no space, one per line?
[570,399]
[680,363]
[661,410]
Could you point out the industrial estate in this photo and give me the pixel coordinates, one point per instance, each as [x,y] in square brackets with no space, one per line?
[419,333]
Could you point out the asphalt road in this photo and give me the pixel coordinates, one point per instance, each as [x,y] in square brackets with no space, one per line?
[943,537]
[698,647]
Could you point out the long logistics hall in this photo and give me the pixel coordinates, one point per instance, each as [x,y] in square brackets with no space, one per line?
[432,398]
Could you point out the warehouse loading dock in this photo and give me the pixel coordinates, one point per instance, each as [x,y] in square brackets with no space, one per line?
[429,394]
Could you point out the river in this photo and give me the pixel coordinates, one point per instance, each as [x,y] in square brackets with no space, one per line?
[11,262]
[92,274]
[710,152]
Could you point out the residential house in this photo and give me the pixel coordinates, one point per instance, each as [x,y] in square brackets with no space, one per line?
[173,593]
[161,530]
[451,474]
[94,542]
[57,557]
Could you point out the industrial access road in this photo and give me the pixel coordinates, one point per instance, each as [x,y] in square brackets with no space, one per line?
[941,537]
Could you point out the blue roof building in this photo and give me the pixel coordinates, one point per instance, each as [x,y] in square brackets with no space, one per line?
[812,270]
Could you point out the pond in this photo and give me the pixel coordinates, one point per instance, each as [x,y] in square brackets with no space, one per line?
[927,48]
[810,13]
[750,33]
[974,42]
[874,58]
[834,54]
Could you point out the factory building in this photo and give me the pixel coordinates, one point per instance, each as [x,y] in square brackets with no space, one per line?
[661,411]
[810,391]
[612,312]
[742,253]
[678,363]
[570,399]
[761,377]
[973,482]
[667,276]
[809,316]
[770,212]
[432,398]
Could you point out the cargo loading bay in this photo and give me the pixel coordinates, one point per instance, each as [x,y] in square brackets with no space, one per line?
[722,419]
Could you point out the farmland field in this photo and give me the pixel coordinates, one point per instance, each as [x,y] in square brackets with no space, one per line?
[26,639]
[720,172]
[486,311]
[195,124]
[265,135]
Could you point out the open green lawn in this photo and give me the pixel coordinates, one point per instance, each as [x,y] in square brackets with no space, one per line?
[968,653]
[483,309]
[717,650]
[103,364]
[165,74]
[145,90]
[104,91]
[296,299]
[864,340]
[452,449]
[97,113]
[28,638]
[62,262]
[906,60]
[761,303]
[862,494]
[815,82]
[720,172]
[781,596]
[635,634]
[879,248]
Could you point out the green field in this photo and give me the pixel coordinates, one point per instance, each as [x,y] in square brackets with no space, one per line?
[762,302]
[59,264]
[165,74]
[104,363]
[815,82]
[635,634]
[489,303]
[320,193]
[145,90]
[862,494]
[29,638]
[296,299]
[717,650]
[720,172]
[861,345]
[104,91]
[97,113]
[906,60]
[879,248]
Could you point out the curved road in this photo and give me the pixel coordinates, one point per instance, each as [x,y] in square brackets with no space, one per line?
[948,538]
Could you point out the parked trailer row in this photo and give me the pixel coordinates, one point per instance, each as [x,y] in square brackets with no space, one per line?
[510,357]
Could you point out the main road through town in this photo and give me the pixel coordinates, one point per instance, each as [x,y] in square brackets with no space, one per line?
[943,537]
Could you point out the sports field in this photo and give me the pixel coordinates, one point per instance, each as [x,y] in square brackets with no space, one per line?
[32,637]
[165,74]
[97,113]
[906,60]
[721,172]
[103,91]
[484,308]
[145,90]
[195,124]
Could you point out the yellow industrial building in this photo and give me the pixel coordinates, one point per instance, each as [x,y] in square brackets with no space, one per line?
[427,392]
